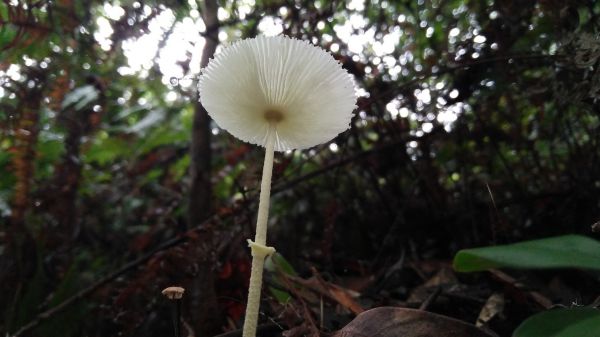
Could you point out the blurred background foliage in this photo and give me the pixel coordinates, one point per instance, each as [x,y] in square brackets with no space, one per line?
[477,123]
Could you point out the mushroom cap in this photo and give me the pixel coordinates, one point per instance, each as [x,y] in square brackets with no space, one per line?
[292,85]
[173,293]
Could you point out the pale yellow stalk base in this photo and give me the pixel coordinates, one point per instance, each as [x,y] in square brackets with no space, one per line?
[259,249]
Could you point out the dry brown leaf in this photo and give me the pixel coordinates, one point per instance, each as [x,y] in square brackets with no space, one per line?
[357,283]
[334,292]
[492,307]
[395,322]
[445,276]
[300,331]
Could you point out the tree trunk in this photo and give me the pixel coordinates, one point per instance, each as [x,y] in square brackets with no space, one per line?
[203,299]
[19,262]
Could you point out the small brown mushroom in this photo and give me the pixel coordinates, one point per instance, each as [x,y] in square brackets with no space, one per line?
[173,293]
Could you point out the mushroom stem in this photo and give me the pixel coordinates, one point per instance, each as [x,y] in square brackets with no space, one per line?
[259,249]
[265,190]
[177,318]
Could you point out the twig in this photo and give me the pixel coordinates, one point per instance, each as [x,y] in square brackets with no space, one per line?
[494,222]
[306,313]
[431,298]
[454,66]
[359,156]
[537,297]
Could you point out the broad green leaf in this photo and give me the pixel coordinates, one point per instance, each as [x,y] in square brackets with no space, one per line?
[569,251]
[579,322]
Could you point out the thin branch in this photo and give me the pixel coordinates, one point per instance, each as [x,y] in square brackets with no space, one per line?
[453,66]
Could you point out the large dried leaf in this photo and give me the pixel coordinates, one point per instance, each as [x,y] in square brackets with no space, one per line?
[402,322]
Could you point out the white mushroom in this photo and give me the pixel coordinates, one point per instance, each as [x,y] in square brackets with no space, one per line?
[290,86]
[280,93]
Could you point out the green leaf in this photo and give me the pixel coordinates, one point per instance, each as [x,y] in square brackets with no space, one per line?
[48,151]
[281,296]
[106,150]
[569,251]
[580,322]
[276,262]
[181,167]
[166,134]
[7,177]
[153,118]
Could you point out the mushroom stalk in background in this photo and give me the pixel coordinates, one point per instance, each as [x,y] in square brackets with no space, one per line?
[282,94]
[175,294]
